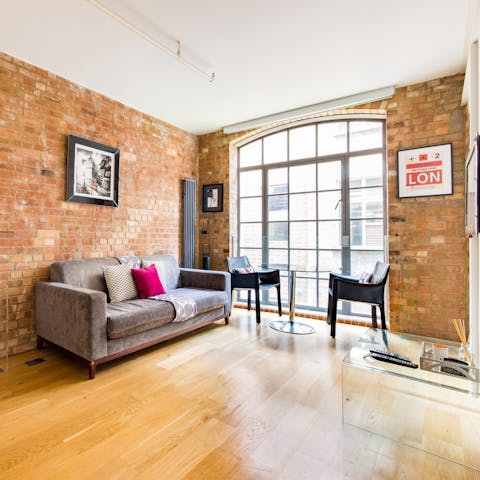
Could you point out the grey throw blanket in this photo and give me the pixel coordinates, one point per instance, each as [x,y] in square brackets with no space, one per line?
[185,307]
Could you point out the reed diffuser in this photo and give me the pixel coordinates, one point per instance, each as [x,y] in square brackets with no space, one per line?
[459,325]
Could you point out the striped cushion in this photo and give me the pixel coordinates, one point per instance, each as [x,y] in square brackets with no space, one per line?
[120,282]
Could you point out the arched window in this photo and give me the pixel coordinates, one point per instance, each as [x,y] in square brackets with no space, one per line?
[312,197]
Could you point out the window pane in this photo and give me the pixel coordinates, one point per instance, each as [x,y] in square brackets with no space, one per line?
[275,148]
[303,260]
[366,202]
[277,180]
[272,292]
[278,259]
[302,206]
[332,138]
[306,292]
[365,135]
[251,209]
[254,255]
[278,235]
[251,235]
[329,261]
[329,234]
[302,178]
[365,261]
[251,154]
[251,183]
[303,235]
[278,207]
[329,205]
[358,308]
[302,142]
[366,171]
[366,234]
[329,175]
[323,293]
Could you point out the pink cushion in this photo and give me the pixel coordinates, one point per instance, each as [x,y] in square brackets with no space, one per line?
[366,277]
[244,270]
[147,281]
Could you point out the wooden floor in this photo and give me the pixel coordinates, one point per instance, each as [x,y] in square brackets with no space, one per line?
[227,402]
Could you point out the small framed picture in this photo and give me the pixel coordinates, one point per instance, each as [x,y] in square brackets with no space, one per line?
[425,171]
[213,198]
[92,172]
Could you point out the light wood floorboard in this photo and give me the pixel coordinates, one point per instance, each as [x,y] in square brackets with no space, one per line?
[227,402]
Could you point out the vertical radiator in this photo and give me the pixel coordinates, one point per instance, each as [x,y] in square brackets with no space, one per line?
[189,217]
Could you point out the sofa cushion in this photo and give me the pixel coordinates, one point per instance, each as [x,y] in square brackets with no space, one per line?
[135,316]
[204,299]
[86,273]
[147,281]
[167,268]
[120,282]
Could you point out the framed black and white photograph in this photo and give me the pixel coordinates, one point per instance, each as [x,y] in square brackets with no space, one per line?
[213,198]
[92,172]
[425,171]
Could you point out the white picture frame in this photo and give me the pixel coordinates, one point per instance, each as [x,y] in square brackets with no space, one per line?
[425,171]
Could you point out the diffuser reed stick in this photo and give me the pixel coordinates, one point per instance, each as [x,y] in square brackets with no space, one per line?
[459,325]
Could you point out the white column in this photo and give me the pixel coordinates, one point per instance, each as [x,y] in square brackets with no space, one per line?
[474,257]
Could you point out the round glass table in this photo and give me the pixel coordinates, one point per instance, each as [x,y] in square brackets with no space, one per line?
[291,326]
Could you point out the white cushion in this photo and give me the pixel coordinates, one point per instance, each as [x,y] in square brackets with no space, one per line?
[120,282]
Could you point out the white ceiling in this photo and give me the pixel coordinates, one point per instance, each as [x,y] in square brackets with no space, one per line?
[268,55]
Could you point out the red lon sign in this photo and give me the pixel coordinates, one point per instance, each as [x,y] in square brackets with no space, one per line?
[425,171]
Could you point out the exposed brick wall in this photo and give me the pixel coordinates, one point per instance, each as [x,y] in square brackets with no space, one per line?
[427,247]
[37,226]
[428,251]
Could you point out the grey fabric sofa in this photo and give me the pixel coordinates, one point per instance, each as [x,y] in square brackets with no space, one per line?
[72,310]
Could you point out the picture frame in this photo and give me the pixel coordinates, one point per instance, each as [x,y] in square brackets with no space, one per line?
[212,200]
[92,172]
[472,190]
[425,171]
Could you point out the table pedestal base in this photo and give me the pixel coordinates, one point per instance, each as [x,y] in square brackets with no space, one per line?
[291,327]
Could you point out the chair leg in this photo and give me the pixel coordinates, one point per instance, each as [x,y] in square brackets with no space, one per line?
[279,301]
[332,314]
[374,316]
[249,299]
[382,316]
[257,304]
[329,309]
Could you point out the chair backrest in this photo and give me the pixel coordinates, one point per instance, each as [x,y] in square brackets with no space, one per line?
[237,262]
[380,272]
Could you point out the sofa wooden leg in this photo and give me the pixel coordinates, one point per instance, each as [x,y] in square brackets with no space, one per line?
[227,319]
[40,343]
[92,370]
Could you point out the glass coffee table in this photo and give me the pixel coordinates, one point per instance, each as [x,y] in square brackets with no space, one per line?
[424,409]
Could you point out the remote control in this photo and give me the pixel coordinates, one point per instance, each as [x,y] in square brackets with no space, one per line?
[390,354]
[395,360]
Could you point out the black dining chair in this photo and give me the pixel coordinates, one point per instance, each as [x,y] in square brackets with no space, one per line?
[344,287]
[244,277]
